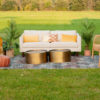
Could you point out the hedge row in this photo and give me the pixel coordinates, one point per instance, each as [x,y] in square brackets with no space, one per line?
[32,5]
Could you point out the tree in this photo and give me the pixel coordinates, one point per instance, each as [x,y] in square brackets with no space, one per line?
[97,5]
[0,2]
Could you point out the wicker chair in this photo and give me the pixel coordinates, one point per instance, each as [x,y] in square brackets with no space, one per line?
[96,46]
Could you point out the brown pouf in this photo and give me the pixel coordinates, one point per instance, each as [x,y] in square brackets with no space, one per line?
[4,61]
[60,56]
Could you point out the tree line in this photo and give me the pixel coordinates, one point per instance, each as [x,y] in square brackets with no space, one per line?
[39,5]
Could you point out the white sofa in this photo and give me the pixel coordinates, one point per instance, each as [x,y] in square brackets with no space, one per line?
[73,46]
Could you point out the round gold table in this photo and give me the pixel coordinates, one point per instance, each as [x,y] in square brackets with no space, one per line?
[60,56]
[36,57]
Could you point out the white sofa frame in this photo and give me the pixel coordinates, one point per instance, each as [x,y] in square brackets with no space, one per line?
[49,47]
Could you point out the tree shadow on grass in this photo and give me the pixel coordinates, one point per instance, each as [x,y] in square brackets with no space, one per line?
[74,25]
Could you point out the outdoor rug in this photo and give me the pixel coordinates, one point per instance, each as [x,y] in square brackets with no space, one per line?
[19,62]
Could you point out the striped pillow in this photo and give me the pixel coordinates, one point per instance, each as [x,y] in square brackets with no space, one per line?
[53,37]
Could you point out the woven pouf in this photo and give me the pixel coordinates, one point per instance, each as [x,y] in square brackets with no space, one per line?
[4,61]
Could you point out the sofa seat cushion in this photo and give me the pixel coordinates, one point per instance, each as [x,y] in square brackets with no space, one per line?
[63,45]
[36,44]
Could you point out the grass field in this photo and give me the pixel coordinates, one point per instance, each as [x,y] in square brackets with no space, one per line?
[70,84]
[50,20]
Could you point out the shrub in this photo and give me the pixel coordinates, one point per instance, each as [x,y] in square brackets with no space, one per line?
[48,5]
[8,5]
[27,7]
[61,5]
[76,5]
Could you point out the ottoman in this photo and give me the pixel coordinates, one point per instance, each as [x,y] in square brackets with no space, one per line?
[36,57]
[4,61]
[60,56]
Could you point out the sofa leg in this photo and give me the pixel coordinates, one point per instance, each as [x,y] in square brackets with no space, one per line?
[48,56]
[77,54]
[23,54]
[92,53]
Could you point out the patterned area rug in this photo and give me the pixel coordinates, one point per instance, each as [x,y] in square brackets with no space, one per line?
[18,62]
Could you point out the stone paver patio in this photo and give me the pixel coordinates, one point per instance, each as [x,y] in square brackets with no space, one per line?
[18,62]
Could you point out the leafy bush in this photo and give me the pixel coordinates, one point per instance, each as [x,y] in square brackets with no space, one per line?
[27,7]
[61,5]
[76,5]
[72,5]
[8,5]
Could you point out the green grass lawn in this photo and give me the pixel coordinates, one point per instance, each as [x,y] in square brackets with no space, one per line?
[67,84]
[50,20]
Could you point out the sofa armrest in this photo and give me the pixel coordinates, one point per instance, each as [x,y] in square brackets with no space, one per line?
[79,41]
[21,42]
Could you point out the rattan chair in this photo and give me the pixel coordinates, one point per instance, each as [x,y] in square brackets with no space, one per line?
[96,46]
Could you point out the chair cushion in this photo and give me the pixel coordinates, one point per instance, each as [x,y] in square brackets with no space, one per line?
[96,47]
[68,38]
[97,41]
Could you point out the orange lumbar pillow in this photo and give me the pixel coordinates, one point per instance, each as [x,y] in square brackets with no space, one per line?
[69,38]
[31,38]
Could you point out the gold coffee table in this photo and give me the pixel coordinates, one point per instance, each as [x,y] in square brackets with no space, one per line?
[36,57]
[60,56]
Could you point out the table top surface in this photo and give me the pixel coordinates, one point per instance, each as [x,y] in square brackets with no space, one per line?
[36,51]
[61,50]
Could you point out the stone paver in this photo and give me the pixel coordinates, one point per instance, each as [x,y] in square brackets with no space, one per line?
[18,62]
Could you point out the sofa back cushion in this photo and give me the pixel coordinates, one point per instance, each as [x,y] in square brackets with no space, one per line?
[40,33]
[60,32]
[45,38]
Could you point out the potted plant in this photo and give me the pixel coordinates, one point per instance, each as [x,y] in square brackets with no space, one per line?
[87,35]
[11,35]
